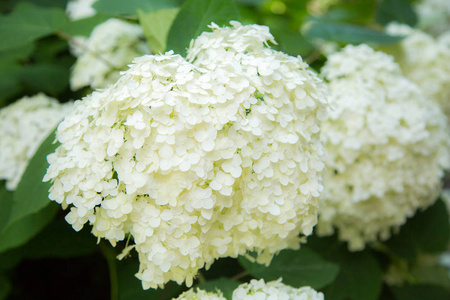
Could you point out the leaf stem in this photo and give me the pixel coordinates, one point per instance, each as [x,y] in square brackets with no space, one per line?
[110,257]
[239,275]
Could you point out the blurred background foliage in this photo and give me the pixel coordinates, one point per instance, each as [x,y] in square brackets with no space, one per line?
[42,257]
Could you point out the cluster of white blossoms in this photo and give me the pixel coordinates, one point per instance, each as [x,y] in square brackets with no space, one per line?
[258,290]
[274,290]
[109,49]
[424,60]
[24,125]
[387,145]
[80,9]
[434,15]
[197,159]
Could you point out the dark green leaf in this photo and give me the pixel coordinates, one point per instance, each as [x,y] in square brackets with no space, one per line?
[428,231]
[18,233]
[130,7]
[156,27]
[65,242]
[6,203]
[298,268]
[31,195]
[84,26]
[29,22]
[10,259]
[292,43]
[9,80]
[5,287]
[194,18]
[49,78]
[420,292]
[344,33]
[225,285]
[131,288]
[433,274]
[359,278]
[16,54]
[400,11]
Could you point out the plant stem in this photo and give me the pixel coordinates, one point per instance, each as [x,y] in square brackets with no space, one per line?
[239,275]
[110,257]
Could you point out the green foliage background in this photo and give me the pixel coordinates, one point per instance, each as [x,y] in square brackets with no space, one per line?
[42,257]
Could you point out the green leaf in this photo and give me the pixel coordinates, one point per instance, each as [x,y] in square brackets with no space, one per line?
[16,54]
[359,278]
[130,7]
[420,292]
[156,27]
[194,18]
[298,268]
[5,287]
[46,77]
[10,259]
[6,202]
[131,288]
[223,284]
[428,231]
[31,195]
[9,80]
[18,233]
[400,11]
[29,22]
[84,26]
[65,242]
[345,33]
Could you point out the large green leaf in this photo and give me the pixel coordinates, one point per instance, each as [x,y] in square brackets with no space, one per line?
[420,292]
[298,268]
[84,26]
[130,7]
[428,231]
[6,203]
[9,80]
[29,22]
[5,287]
[18,233]
[156,27]
[224,284]
[194,18]
[46,77]
[345,33]
[400,11]
[31,195]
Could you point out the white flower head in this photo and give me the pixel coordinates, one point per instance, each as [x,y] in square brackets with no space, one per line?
[274,290]
[24,125]
[199,294]
[197,159]
[434,15]
[387,145]
[109,49]
[80,9]
[425,60]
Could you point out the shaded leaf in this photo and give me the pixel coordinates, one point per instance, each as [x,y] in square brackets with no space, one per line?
[130,7]
[194,18]
[420,292]
[400,11]
[46,77]
[5,287]
[84,26]
[298,268]
[428,231]
[225,285]
[6,202]
[21,231]
[29,22]
[344,33]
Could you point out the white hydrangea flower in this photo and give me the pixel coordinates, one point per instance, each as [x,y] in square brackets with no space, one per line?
[197,160]
[80,9]
[199,294]
[387,147]
[434,15]
[424,60]
[274,290]
[111,46]
[25,124]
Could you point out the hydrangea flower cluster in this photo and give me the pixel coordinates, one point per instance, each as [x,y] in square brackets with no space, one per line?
[111,46]
[80,9]
[197,159]
[274,290]
[25,124]
[425,60]
[434,15]
[199,294]
[387,147]
[258,290]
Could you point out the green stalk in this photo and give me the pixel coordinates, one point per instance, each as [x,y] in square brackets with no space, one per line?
[110,257]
